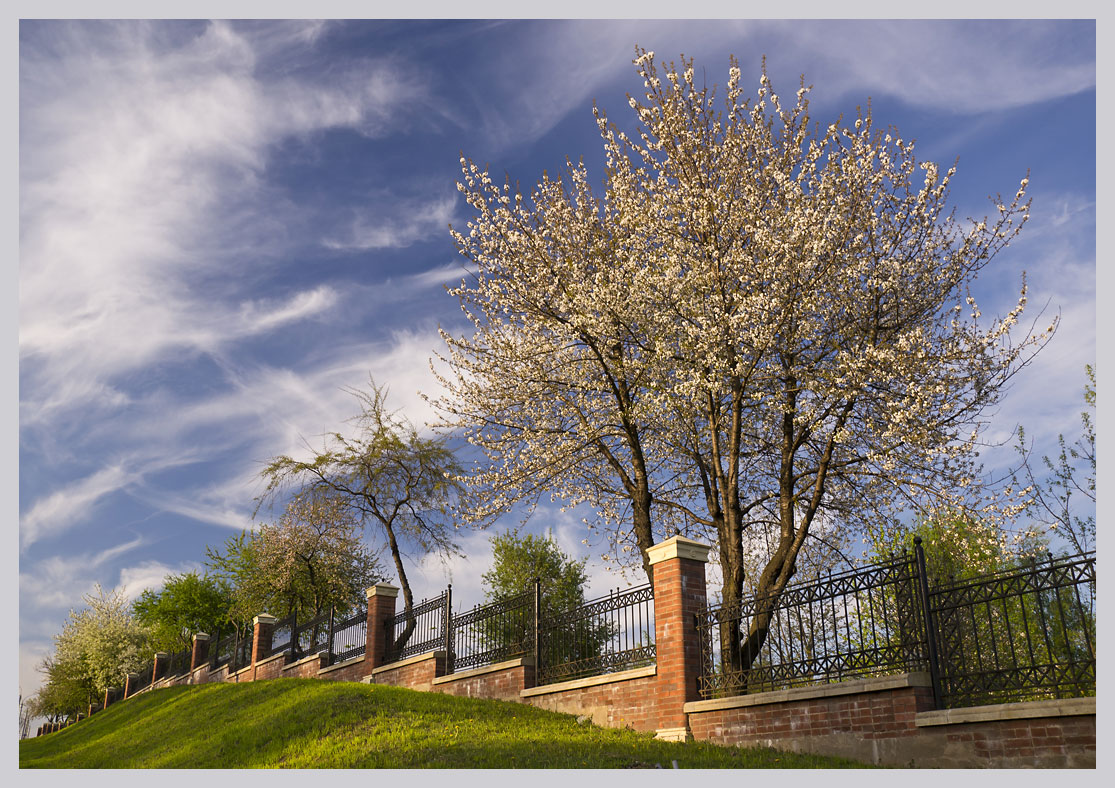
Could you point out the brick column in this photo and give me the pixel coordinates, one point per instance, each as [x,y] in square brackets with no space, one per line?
[679,594]
[263,628]
[159,668]
[129,683]
[381,611]
[200,653]
[108,692]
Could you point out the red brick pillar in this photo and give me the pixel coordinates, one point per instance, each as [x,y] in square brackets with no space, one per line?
[679,594]
[263,628]
[108,695]
[159,668]
[129,684]
[200,653]
[381,612]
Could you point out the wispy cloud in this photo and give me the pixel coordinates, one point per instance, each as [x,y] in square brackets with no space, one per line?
[70,504]
[59,581]
[132,141]
[390,222]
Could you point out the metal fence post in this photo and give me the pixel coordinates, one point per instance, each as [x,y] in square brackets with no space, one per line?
[537,629]
[447,628]
[329,643]
[213,656]
[930,628]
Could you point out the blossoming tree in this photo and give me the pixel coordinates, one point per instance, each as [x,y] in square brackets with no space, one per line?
[758,322]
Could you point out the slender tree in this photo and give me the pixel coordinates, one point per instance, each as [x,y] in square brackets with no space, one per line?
[1064,494]
[761,322]
[389,476]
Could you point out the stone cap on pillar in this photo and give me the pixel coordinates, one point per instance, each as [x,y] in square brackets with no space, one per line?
[161,655]
[264,618]
[201,636]
[382,589]
[678,547]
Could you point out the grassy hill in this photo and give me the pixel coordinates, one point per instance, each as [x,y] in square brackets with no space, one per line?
[303,723]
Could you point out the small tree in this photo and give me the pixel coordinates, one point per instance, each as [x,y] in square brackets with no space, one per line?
[1070,478]
[96,649]
[392,479]
[312,559]
[517,561]
[187,604]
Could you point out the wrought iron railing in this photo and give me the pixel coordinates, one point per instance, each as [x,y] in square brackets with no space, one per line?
[178,663]
[234,650]
[310,637]
[493,632]
[1027,633]
[1020,634]
[350,636]
[281,635]
[612,633]
[860,623]
[242,651]
[431,625]
[143,678]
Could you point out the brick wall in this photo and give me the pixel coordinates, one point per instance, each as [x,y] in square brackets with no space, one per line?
[502,681]
[625,700]
[416,673]
[891,721]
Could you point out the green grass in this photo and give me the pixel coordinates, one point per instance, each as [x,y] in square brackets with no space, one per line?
[303,723]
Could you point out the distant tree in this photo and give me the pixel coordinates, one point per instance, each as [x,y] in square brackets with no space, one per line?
[188,603]
[98,646]
[958,545]
[516,562]
[312,558]
[392,478]
[1069,479]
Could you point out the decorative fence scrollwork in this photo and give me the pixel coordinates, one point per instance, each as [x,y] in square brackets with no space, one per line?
[1022,634]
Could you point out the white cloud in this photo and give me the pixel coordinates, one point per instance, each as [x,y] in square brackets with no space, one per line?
[388,222]
[149,575]
[141,165]
[57,581]
[449,274]
[72,503]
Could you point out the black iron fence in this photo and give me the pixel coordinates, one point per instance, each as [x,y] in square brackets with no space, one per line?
[428,624]
[605,635]
[613,633]
[1023,634]
[281,635]
[178,663]
[222,650]
[143,678]
[312,636]
[491,633]
[233,650]
[342,637]
[1026,633]
[350,636]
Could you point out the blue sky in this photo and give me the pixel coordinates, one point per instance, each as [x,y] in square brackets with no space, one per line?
[224,224]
